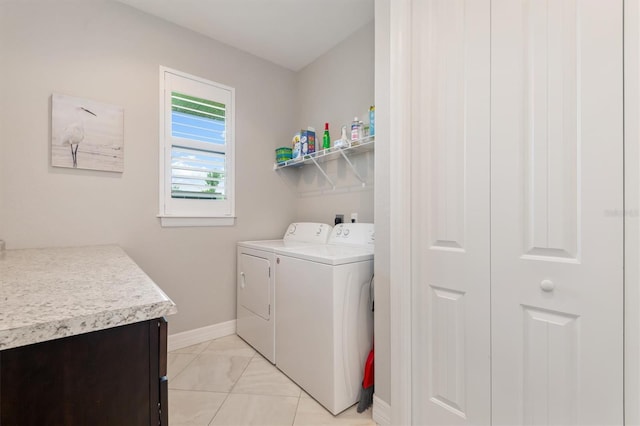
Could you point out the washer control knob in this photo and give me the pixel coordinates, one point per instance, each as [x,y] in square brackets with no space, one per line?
[547,285]
[346,232]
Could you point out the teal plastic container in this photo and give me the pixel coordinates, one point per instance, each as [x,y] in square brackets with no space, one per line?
[283,154]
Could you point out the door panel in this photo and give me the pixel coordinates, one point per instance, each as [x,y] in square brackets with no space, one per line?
[556,185]
[550,366]
[549,106]
[450,210]
[448,356]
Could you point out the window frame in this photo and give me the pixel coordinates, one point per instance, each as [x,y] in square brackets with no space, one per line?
[194,212]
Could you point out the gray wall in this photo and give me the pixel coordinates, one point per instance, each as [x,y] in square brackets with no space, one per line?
[111,53]
[334,88]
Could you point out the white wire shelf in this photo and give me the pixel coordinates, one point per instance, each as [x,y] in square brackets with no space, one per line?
[360,146]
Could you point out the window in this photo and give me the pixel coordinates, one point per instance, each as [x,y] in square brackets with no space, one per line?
[196,151]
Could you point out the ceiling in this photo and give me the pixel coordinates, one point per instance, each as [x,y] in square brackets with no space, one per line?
[290,33]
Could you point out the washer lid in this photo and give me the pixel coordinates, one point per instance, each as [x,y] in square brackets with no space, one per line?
[271,245]
[328,254]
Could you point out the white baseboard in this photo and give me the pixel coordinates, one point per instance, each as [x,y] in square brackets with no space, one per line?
[381,412]
[199,335]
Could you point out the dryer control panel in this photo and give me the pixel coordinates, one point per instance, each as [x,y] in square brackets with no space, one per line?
[308,232]
[353,234]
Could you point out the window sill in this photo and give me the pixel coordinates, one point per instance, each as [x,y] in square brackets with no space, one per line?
[182,221]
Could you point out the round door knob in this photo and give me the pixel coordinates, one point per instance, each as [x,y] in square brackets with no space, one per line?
[547,285]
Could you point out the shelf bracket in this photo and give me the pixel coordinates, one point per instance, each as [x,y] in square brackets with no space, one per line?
[353,169]
[323,172]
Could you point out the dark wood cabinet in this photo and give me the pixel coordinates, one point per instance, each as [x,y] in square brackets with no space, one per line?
[115,376]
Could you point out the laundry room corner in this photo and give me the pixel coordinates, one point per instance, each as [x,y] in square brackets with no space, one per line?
[334,88]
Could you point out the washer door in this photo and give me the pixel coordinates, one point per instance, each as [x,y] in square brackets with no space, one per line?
[253,284]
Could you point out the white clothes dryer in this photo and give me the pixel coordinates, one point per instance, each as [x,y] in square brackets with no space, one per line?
[324,327]
[256,279]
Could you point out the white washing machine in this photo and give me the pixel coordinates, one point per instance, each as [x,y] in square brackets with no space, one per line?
[324,327]
[256,279]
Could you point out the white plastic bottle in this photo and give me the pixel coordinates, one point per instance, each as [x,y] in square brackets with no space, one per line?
[343,142]
[355,130]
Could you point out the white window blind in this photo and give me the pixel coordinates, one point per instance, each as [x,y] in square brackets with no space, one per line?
[197,174]
[197,147]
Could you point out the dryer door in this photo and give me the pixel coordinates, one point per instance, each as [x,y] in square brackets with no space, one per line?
[253,286]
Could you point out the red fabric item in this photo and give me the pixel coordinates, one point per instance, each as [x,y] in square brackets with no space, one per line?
[367,381]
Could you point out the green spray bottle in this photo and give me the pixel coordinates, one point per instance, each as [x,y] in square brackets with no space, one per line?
[326,139]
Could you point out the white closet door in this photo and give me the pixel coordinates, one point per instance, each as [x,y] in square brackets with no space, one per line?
[450,212]
[556,212]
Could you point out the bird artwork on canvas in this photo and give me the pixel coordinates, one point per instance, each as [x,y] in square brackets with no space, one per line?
[92,131]
[73,133]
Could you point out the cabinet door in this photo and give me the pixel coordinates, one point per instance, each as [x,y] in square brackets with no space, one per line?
[254,284]
[107,377]
[556,212]
[450,211]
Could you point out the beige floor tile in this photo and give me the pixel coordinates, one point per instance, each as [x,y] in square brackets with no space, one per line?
[177,362]
[261,410]
[229,345]
[262,378]
[211,372]
[193,408]
[201,375]
[311,413]
[193,349]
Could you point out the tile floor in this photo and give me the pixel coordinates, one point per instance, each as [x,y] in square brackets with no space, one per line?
[226,382]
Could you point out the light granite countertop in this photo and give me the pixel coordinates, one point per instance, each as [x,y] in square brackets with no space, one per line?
[50,293]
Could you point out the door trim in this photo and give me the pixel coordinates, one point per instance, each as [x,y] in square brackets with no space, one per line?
[400,210]
[631,216]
